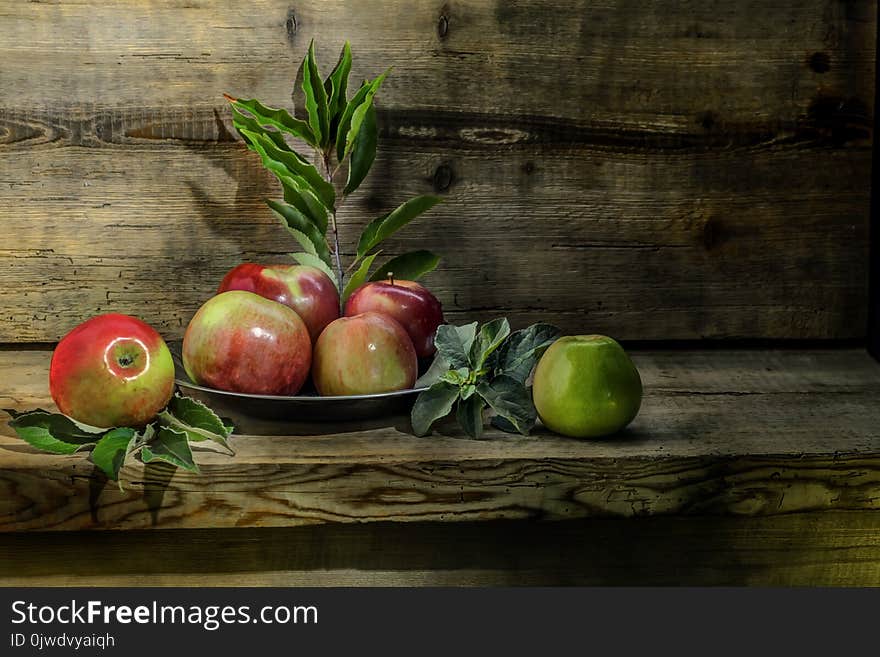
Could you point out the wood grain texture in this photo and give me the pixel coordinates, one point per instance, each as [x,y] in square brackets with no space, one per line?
[835,548]
[741,433]
[687,172]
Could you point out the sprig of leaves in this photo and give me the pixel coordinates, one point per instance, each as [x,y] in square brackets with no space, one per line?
[475,369]
[166,439]
[343,133]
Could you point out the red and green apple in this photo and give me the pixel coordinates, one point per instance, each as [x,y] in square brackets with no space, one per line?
[365,354]
[112,371]
[408,302]
[307,290]
[242,342]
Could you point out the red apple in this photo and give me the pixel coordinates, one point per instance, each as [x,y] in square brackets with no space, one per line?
[307,290]
[242,342]
[362,355]
[417,310]
[112,371]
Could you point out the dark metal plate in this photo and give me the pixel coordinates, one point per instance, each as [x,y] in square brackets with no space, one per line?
[282,414]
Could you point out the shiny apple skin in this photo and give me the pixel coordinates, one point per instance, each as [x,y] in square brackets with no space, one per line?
[307,290]
[112,371]
[362,355]
[411,304]
[586,386]
[242,342]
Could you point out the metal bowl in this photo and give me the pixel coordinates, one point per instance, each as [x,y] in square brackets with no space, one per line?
[297,413]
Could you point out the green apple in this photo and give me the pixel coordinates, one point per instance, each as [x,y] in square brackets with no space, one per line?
[586,386]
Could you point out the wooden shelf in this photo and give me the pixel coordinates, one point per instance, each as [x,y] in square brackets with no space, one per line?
[747,433]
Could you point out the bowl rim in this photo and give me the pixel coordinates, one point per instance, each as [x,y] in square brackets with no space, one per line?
[298,398]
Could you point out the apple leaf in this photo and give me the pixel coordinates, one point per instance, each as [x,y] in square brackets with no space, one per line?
[363,153]
[454,344]
[196,420]
[491,335]
[184,418]
[316,98]
[524,348]
[292,218]
[409,266]
[503,424]
[431,405]
[171,446]
[473,364]
[304,241]
[358,277]
[511,400]
[456,377]
[385,226]
[353,115]
[303,199]
[470,414]
[315,261]
[294,165]
[268,116]
[111,451]
[336,87]
[359,115]
[435,372]
[53,432]
[244,123]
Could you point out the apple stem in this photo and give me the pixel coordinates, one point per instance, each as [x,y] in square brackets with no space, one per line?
[391,277]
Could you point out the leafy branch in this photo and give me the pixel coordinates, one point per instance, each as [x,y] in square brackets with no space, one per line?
[167,438]
[343,136]
[475,369]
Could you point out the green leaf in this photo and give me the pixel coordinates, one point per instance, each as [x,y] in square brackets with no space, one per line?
[315,261]
[470,415]
[434,374]
[524,348]
[316,98]
[409,266]
[354,114]
[454,344]
[304,241]
[358,277]
[491,335]
[277,118]
[501,423]
[511,400]
[294,165]
[196,420]
[431,405]
[110,452]
[364,151]
[244,124]
[359,115]
[171,446]
[292,218]
[456,377]
[381,228]
[297,194]
[53,432]
[336,87]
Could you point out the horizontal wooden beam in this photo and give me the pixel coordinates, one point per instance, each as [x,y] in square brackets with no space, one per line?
[746,433]
[828,549]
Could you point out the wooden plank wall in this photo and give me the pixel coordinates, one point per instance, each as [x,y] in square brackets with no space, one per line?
[647,169]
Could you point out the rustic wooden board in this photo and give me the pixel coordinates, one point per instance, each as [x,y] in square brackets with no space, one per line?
[836,548]
[686,172]
[744,433]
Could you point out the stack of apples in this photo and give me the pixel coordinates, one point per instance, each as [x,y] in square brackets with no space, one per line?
[270,326]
